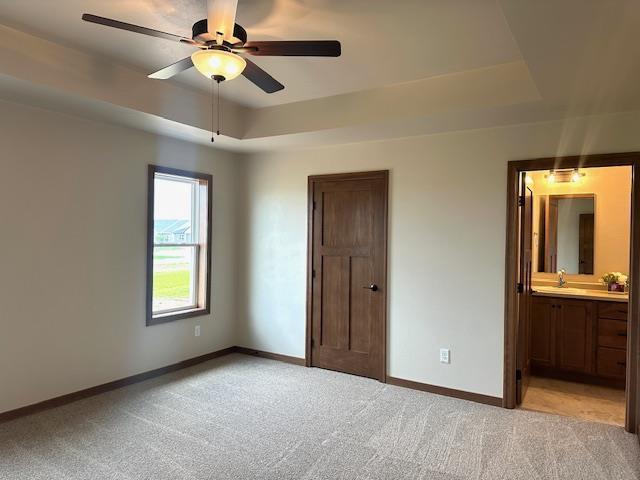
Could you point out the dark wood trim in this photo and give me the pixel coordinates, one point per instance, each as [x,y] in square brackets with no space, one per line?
[385,306]
[447,392]
[150,207]
[271,356]
[633,319]
[206,310]
[309,305]
[374,174]
[106,387]
[511,272]
[335,177]
[511,293]
[140,377]
[577,161]
[178,316]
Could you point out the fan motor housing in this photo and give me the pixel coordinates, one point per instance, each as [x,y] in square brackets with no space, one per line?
[201,33]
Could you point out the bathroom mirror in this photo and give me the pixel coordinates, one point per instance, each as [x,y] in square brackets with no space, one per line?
[566,226]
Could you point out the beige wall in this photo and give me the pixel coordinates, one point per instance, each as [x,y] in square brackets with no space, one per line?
[73,243]
[446,241]
[73,210]
[612,189]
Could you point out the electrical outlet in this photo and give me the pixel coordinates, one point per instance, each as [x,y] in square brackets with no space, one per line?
[444,355]
[197,331]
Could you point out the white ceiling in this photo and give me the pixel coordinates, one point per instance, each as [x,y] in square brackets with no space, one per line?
[409,67]
[383,42]
[582,54]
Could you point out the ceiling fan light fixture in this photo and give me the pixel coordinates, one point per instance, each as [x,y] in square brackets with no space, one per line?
[218,63]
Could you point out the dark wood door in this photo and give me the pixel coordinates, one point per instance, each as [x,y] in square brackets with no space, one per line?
[574,344]
[585,239]
[543,331]
[524,301]
[348,280]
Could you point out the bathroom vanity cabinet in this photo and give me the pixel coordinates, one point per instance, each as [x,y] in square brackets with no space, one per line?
[578,339]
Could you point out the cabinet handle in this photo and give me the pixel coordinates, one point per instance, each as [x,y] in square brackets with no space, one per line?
[622,364]
[622,334]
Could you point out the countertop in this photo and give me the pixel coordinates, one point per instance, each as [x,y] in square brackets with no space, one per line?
[579,293]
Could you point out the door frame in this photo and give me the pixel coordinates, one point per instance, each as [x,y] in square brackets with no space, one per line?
[515,167]
[368,175]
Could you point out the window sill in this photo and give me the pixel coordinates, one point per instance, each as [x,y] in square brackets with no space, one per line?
[173,316]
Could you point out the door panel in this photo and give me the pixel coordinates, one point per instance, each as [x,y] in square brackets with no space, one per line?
[334,280]
[543,332]
[347,218]
[348,256]
[361,304]
[575,336]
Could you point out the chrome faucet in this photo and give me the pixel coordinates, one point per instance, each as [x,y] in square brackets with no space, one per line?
[561,281]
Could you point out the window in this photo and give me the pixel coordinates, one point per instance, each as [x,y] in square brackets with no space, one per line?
[178,244]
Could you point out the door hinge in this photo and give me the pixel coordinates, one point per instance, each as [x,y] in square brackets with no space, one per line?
[314,204]
[312,343]
[520,287]
[313,273]
[521,201]
[518,374]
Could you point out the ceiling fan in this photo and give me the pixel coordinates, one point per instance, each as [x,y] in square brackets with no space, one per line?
[221,41]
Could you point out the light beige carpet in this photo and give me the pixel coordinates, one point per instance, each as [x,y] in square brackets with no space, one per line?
[241,417]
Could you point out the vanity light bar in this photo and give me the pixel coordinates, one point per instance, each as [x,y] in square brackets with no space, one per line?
[568,175]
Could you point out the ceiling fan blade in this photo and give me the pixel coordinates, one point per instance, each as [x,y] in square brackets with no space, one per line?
[221,17]
[302,48]
[108,22]
[173,69]
[261,78]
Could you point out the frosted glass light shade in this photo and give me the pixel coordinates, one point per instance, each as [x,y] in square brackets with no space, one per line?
[218,62]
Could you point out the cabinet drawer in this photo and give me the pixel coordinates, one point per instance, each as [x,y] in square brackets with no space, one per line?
[614,310]
[612,333]
[611,362]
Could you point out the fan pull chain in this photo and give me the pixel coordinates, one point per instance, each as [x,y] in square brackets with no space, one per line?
[212,93]
[219,109]
[219,113]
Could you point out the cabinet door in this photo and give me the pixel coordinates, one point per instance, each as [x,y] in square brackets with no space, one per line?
[542,345]
[612,362]
[574,320]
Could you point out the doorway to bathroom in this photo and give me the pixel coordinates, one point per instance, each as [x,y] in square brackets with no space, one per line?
[571,322]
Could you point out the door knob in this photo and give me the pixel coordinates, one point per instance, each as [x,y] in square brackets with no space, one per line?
[373,287]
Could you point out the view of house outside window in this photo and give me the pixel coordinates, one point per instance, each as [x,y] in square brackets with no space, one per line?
[175,253]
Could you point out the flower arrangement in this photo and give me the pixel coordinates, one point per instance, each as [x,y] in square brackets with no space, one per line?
[615,281]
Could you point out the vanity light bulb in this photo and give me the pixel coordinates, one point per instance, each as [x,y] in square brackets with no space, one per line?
[551,178]
[575,177]
[528,180]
